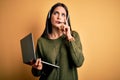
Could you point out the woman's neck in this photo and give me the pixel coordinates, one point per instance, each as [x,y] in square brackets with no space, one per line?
[56,33]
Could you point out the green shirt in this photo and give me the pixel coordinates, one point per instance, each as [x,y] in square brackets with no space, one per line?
[66,54]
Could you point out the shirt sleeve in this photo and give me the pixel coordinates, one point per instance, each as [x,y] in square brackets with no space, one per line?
[75,48]
[36,72]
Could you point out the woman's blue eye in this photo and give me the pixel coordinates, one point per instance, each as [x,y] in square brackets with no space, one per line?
[55,13]
[63,15]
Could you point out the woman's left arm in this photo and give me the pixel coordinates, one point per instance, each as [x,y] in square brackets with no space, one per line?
[75,48]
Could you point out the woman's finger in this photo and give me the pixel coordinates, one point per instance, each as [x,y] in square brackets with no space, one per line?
[37,61]
[66,21]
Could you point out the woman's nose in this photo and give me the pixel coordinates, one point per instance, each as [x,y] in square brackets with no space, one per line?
[59,17]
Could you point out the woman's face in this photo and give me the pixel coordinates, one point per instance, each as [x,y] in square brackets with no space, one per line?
[58,16]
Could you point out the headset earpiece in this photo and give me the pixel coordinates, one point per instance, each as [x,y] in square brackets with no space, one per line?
[49,15]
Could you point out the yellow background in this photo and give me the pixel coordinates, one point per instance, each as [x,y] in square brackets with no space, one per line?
[97,22]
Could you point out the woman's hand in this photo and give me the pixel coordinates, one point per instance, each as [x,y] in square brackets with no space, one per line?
[65,28]
[38,65]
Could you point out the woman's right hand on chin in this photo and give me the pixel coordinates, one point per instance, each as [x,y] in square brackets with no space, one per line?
[38,65]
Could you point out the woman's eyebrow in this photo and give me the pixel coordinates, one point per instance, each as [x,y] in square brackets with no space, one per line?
[56,12]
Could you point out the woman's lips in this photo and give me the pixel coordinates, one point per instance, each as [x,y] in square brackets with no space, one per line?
[59,22]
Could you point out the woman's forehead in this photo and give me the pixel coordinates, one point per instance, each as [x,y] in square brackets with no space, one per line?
[60,9]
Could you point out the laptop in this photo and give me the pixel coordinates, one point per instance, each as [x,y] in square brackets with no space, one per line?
[28,51]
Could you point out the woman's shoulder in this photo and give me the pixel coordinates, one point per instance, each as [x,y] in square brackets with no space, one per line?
[41,39]
[75,33]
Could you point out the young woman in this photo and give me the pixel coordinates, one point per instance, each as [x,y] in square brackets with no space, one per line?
[58,45]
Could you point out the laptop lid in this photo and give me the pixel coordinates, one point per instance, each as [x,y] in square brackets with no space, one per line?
[27,48]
